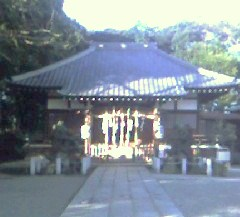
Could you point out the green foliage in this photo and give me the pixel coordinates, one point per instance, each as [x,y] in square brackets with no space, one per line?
[7,108]
[29,28]
[30,111]
[164,40]
[202,45]
[109,35]
[33,34]
[141,33]
[181,140]
[7,119]
[220,168]
[211,57]
[180,36]
[223,103]
[11,145]
[223,133]
[180,41]
[63,140]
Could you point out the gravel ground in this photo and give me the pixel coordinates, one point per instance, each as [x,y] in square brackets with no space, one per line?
[201,196]
[37,196]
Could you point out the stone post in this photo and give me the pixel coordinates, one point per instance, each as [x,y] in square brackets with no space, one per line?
[32,166]
[85,164]
[38,164]
[209,167]
[184,166]
[58,166]
[156,164]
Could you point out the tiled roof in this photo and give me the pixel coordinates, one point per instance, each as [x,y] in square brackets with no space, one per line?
[129,69]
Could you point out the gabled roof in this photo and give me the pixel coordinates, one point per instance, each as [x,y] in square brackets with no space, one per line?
[129,69]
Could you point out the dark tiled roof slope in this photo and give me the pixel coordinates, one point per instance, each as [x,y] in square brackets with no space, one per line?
[130,69]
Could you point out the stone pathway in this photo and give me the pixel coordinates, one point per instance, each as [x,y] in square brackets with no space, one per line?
[117,191]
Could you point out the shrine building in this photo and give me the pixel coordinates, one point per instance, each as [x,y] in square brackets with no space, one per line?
[123,93]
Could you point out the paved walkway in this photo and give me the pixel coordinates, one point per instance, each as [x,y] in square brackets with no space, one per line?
[37,196]
[121,191]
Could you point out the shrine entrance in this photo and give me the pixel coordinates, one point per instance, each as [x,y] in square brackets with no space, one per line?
[122,127]
[124,131]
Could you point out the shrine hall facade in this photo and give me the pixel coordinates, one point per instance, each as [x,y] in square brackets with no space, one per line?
[121,93]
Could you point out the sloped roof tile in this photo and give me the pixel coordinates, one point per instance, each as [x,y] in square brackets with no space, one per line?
[112,69]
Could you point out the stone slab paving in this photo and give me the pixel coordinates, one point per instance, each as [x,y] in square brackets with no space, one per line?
[37,196]
[117,191]
[202,196]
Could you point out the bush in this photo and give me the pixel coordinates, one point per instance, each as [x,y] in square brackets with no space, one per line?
[171,166]
[195,169]
[11,146]
[181,140]
[219,168]
[63,140]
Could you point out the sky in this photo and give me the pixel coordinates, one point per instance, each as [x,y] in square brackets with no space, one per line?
[124,14]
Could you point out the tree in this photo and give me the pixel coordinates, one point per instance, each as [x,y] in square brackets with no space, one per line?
[223,134]
[110,35]
[181,140]
[211,57]
[204,46]
[29,28]
[33,34]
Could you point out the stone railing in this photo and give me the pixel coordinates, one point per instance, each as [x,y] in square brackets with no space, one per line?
[39,163]
[210,168]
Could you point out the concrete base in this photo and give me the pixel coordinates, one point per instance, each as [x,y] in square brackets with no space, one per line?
[156,164]
[85,164]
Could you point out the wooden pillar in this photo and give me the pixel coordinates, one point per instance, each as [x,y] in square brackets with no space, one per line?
[106,118]
[128,127]
[90,136]
[175,113]
[87,124]
[105,126]
[47,128]
[46,118]
[198,116]
[156,131]
[136,125]
[113,126]
[155,122]
[122,125]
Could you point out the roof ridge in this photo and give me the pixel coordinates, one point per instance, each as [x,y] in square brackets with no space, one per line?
[126,45]
[53,65]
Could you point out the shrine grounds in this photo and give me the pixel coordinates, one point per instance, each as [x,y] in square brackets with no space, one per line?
[37,196]
[48,196]
[201,196]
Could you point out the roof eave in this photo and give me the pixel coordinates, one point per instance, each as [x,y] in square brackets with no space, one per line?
[226,86]
[16,85]
[52,66]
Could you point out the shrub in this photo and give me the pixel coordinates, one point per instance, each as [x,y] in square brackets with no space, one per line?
[219,168]
[181,140]
[11,146]
[63,140]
